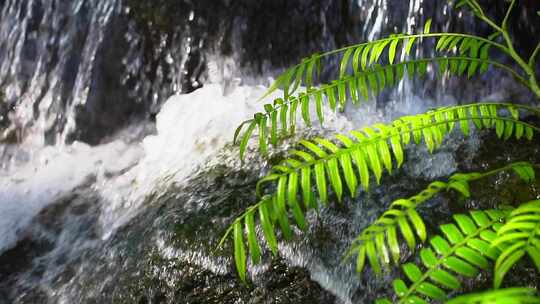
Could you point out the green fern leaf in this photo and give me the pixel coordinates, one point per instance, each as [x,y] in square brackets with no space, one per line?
[409,45]
[287,82]
[450,255]
[392,50]
[299,76]
[374,79]
[267,226]
[345,62]
[377,146]
[453,44]
[353,91]
[517,295]
[292,115]
[427,27]
[318,105]
[239,251]
[461,186]
[311,64]
[402,214]
[519,236]
[365,54]
[320,181]
[356,59]
[253,244]
[304,101]
[371,149]
[245,138]
[525,171]
[442,42]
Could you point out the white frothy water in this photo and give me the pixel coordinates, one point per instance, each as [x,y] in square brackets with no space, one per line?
[52,173]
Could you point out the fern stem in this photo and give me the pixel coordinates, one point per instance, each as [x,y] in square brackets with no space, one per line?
[504,25]
[490,23]
[511,51]
[441,260]
[524,65]
[532,59]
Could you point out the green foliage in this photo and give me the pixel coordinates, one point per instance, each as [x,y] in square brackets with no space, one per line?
[463,249]
[379,242]
[516,295]
[324,165]
[321,171]
[281,116]
[519,236]
[364,70]
[330,165]
[358,58]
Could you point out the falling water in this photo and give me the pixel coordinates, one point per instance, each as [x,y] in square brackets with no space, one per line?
[117,174]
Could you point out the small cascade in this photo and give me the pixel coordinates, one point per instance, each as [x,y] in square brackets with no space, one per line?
[117,172]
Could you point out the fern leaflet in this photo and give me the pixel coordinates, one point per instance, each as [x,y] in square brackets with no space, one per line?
[462,249]
[519,236]
[380,240]
[516,295]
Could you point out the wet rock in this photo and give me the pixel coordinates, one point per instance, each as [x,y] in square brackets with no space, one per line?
[168,281]
[166,254]
[57,237]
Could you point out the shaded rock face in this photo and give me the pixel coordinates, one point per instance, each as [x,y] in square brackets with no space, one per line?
[261,34]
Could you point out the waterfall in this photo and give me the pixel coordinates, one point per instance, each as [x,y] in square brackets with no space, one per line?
[116,118]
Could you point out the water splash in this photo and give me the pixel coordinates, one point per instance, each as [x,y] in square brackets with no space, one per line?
[54,173]
[117,178]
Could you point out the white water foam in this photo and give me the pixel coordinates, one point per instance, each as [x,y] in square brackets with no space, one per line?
[51,173]
[191,128]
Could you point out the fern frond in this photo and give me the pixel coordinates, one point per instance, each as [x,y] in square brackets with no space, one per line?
[363,55]
[515,295]
[280,117]
[518,237]
[374,149]
[304,180]
[463,249]
[379,241]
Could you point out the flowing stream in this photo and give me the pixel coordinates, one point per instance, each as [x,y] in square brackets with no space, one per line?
[117,173]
